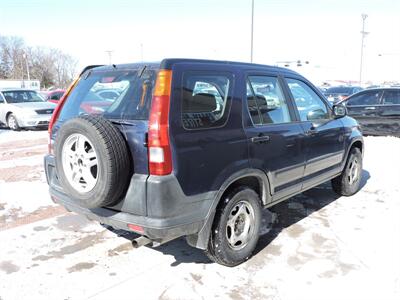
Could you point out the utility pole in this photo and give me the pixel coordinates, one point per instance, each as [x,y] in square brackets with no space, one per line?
[109,52]
[363,35]
[252,29]
[27,66]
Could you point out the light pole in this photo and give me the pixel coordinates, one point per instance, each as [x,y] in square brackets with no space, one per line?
[363,35]
[252,29]
[109,52]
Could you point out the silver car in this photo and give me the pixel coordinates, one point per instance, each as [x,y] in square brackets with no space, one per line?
[20,108]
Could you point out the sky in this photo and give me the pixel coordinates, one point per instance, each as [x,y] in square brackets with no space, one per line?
[324,33]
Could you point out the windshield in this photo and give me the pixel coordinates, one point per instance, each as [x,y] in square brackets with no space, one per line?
[113,94]
[22,96]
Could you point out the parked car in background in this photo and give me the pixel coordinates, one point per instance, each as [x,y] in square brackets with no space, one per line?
[323,89]
[376,110]
[108,94]
[197,148]
[374,86]
[20,108]
[53,96]
[339,93]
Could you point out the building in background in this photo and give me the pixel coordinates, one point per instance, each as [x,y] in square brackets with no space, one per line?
[24,84]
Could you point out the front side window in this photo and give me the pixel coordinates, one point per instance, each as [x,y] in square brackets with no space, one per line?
[265,101]
[309,105]
[391,97]
[205,99]
[367,98]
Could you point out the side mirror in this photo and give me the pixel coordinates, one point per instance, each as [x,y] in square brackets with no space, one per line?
[2,101]
[339,110]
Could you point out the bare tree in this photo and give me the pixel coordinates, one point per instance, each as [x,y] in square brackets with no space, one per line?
[11,53]
[51,66]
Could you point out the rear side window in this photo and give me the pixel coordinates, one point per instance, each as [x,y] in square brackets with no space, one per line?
[116,94]
[367,98]
[205,99]
[56,96]
[265,101]
[391,97]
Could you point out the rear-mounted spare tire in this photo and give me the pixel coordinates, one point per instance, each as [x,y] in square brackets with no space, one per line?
[92,161]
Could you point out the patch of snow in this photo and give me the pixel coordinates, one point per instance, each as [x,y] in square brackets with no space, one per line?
[23,161]
[25,197]
[9,135]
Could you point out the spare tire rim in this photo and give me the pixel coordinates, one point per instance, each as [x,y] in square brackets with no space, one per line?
[80,163]
[240,225]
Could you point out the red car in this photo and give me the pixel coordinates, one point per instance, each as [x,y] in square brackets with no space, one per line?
[53,96]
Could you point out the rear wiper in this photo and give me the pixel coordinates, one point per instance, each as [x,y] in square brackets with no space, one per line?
[141,71]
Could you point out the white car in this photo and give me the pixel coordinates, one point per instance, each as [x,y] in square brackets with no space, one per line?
[21,108]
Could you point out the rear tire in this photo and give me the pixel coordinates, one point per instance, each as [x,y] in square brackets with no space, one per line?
[236,227]
[348,183]
[12,122]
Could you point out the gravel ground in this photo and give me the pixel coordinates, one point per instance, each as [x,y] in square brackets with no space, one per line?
[318,247]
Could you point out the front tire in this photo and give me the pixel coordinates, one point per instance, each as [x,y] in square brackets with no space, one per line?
[236,227]
[12,123]
[348,183]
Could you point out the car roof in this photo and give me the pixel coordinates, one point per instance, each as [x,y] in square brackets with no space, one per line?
[382,89]
[168,63]
[16,90]
[374,89]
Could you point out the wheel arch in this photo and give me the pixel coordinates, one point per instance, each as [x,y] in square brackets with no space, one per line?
[357,144]
[253,178]
[8,114]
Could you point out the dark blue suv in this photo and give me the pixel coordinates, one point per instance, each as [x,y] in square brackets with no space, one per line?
[196,148]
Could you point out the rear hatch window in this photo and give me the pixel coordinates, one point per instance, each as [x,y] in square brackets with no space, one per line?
[112,93]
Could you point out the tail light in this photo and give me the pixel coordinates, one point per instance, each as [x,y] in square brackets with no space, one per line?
[160,161]
[57,111]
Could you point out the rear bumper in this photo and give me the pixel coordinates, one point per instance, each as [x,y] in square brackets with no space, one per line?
[168,213]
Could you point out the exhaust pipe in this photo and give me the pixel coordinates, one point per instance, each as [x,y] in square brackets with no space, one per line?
[140,241]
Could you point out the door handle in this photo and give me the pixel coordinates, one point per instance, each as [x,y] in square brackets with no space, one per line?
[311,132]
[260,139]
[370,108]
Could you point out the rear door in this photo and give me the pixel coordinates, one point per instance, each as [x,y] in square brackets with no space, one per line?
[274,138]
[389,114]
[324,141]
[205,127]
[365,108]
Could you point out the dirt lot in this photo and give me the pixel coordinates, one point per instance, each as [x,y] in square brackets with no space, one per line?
[318,247]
